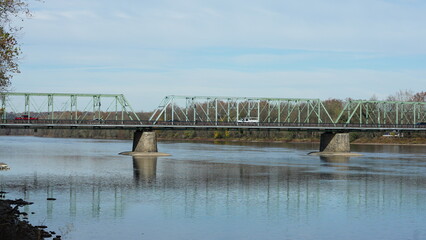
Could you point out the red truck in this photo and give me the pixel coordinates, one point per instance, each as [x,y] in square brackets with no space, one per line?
[25,117]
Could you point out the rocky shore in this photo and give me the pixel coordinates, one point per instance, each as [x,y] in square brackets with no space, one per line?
[14,224]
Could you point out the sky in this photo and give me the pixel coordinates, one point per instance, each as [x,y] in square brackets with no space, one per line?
[242,48]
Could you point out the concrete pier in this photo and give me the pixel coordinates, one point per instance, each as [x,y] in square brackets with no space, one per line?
[335,142]
[144,142]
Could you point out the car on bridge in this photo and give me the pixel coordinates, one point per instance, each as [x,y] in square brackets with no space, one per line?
[26,117]
[248,120]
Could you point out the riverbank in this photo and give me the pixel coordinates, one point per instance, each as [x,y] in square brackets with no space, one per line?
[222,136]
[14,224]
[360,141]
[391,141]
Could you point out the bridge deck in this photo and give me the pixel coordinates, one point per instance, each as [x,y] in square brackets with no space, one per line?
[138,125]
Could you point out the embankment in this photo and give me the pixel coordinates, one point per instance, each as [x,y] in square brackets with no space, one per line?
[220,135]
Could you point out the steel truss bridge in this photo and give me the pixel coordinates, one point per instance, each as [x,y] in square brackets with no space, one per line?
[113,111]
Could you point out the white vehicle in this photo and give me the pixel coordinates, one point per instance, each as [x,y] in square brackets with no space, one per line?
[248,120]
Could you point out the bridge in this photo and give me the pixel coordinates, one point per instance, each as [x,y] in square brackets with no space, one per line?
[112,111]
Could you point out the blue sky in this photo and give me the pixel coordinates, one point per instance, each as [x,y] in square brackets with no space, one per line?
[149,49]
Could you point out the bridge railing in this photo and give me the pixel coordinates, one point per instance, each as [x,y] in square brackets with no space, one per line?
[202,124]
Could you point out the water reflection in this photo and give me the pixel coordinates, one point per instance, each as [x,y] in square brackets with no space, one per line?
[338,163]
[72,201]
[285,192]
[334,159]
[144,169]
[235,189]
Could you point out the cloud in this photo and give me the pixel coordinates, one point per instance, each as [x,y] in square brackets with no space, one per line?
[149,49]
[370,26]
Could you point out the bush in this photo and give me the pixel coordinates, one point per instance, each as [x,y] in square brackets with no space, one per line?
[217,135]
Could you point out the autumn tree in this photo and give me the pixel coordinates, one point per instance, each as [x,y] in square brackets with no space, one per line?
[334,107]
[10,11]
[419,97]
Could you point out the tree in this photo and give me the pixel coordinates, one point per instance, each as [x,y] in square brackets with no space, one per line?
[401,96]
[334,107]
[419,97]
[9,47]
[408,96]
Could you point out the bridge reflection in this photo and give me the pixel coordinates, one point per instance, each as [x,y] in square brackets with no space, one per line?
[339,163]
[194,188]
[144,169]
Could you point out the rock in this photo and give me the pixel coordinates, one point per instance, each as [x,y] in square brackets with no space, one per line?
[12,227]
[46,235]
[3,166]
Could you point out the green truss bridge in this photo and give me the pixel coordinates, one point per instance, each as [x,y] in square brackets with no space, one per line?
[113,111]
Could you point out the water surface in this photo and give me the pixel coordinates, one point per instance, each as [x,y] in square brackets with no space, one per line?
[217,191]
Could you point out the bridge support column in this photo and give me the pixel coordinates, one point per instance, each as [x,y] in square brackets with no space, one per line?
[335,143]
[145,142]
[145,145]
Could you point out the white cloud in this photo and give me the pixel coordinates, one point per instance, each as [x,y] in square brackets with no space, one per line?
[313,25]
[149,49]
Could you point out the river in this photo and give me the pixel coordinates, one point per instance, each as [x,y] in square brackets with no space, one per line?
[217,190]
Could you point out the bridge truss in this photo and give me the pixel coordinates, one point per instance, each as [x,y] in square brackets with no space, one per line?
[65,106]
[382,113]
[241,110]
[112,111]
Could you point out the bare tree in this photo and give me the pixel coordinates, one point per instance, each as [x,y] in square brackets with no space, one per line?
[401,96]
[419,97]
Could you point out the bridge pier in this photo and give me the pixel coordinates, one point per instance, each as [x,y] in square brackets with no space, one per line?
[335,143]
[144,142]
[145,145]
